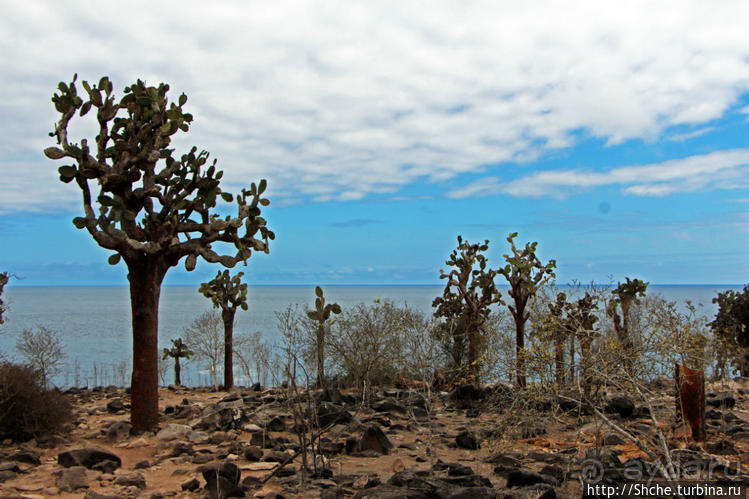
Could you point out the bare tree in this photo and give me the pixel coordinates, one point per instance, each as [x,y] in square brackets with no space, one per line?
[205,338]
[43,350]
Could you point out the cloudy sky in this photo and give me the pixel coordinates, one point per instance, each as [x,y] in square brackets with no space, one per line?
[615,134]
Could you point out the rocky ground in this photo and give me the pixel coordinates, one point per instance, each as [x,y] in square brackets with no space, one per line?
[241,444]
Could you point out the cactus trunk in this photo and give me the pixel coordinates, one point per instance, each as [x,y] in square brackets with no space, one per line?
[227,314]
[145,278]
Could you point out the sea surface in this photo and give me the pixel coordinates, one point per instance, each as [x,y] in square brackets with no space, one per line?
[94,321]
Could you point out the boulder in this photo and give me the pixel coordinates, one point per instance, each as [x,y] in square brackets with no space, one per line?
[87,457]
[72,479]
[173,431]
[222,479]
[133,479]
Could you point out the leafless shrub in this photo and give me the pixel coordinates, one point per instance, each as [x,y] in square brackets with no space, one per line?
[205,337]
[42,349]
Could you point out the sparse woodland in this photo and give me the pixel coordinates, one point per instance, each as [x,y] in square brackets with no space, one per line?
[577,374]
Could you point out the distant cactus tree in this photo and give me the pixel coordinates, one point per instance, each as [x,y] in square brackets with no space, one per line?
[153,208]
[227,293]
[526,275]
[468,294]
[320,314]
[582,320]
[731,327]
[625,295]
[559,328]
[3,282]
[178,351]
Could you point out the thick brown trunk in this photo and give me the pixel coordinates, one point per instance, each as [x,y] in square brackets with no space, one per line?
[227,315]
[320,357]
[177,369]
[145,278]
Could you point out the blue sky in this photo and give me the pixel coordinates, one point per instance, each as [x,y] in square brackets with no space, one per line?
[617,136]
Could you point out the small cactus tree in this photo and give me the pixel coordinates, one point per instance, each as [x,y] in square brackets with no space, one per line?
[321,314]
[227,293]
[526,275]
[469,292]
[154,209]
[559,329]
[626,294]
[178,351]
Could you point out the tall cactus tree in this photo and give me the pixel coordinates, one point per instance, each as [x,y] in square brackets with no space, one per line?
[468,294]
[154,208]
[321,314]
[625,295]
[178,351]
[227,293]
[526,275]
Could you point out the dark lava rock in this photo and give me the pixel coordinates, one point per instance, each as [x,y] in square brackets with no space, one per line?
[374,439]
[222,479]
[27,456]
[724,400]
[191,485]
[622,405]
[119,430]
[329,414]
[106,466]
[275,424]
[721,447]
[134,479]
[115,405]
[389,405]
[467,440]
[87,457]
[252,453]
[522,478]
[466,396]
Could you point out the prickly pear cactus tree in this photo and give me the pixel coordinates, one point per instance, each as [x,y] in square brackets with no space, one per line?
[228,293]
[582,320]
[148,205]
[731,328]
[625,295]
[321,314]
[557,324]
[469,293]
[178,351]
[526,275]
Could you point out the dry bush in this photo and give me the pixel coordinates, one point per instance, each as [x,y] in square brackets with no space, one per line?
[27,410]
[42,349]
[373,345]
[205,337]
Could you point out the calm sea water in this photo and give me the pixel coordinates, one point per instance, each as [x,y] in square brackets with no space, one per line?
[94,322]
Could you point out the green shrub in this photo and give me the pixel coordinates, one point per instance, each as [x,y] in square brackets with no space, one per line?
[26,409]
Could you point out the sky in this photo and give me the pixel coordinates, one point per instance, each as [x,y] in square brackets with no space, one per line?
[616,135]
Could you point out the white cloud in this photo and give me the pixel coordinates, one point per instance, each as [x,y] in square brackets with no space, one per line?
[716,170]
[342,100]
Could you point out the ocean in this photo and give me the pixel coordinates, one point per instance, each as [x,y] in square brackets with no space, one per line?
[94,321]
